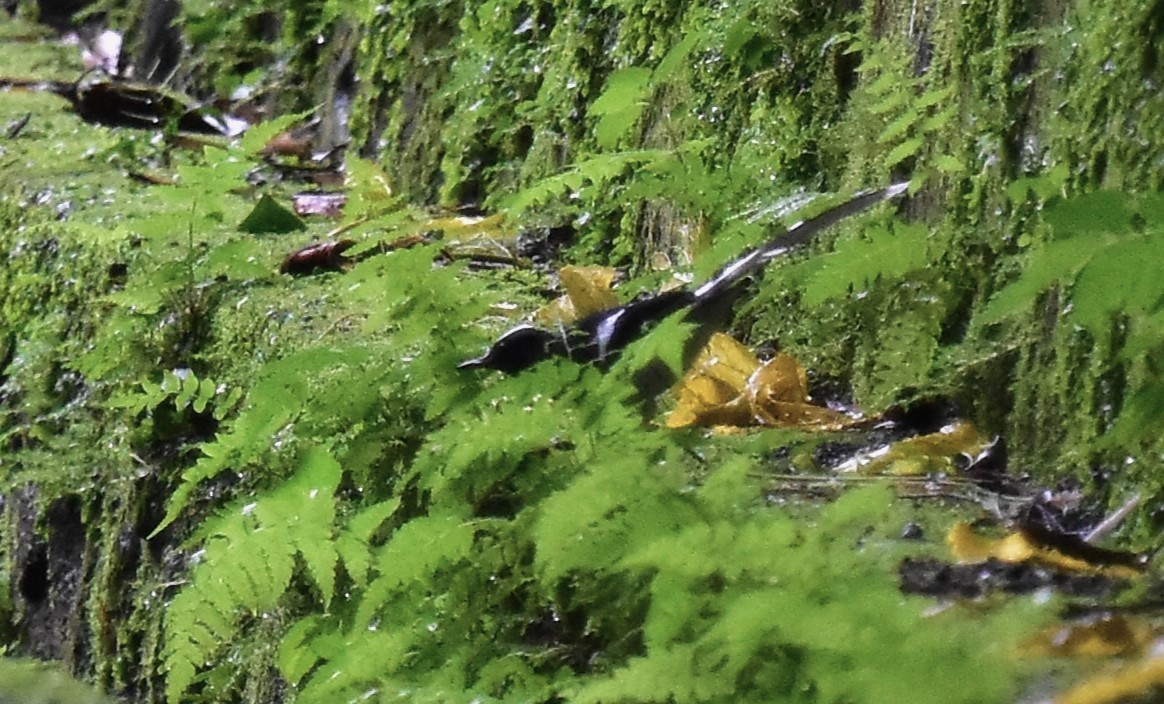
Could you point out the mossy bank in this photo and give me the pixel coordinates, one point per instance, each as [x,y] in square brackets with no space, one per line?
[224,484]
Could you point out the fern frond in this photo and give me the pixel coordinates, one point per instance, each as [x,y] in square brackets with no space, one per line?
[280,395]
[622,503]
[1055,262]
[887,251]
[597,171]
[354,543]
[620,105]
[1106,257]
[416,550]
[248,564]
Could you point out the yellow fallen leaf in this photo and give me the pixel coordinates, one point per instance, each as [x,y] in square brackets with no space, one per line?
[1018,547]
[967,546]
[556,313]
[1135,680]
[727,385]
[1104,637]
[923,454]
[779,398]
[780,379]
[712,391]
[467,226]
[707,401]
[588,290]
[727,361]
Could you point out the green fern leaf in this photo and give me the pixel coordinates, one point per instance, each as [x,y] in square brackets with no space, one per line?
[303,508]
[1091,214]
[898,127]
[889,252]
[903,151]
[1055,262]
[280,394]
[1139,419]
[1120,278]
[297,655]
[354,543]
[366,656]
[416,549]
[940,120]
[884,84]
[247,564]
[676,57]
[257,136]
[949,164]
[933,97]
[598,171]
[603,515]
[621,103]
[663,677]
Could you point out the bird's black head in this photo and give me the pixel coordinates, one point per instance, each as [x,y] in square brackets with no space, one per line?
[518,349]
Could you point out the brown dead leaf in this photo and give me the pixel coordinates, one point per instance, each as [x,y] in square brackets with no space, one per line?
[296,143]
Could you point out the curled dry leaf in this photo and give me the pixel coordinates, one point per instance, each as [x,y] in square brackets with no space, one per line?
[291,143]
[1023,546]
[924,454]
[728,385]
[588,290]
[320,255]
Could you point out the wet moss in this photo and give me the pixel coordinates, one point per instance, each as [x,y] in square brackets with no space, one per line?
[465,104]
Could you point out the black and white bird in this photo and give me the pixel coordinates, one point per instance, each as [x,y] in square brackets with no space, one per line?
[602,335]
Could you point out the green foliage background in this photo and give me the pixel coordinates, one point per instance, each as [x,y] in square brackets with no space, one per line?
[288,492]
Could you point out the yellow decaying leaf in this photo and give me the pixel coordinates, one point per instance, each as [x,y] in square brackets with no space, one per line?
[557,312]
[1104,637]
[967,547]
[1135,680]
[727,385]
[712,392]
[588,290]
[921,455]
[468,226]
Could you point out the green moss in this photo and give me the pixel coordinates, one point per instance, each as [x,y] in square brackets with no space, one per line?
[468,104]
[37,683]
